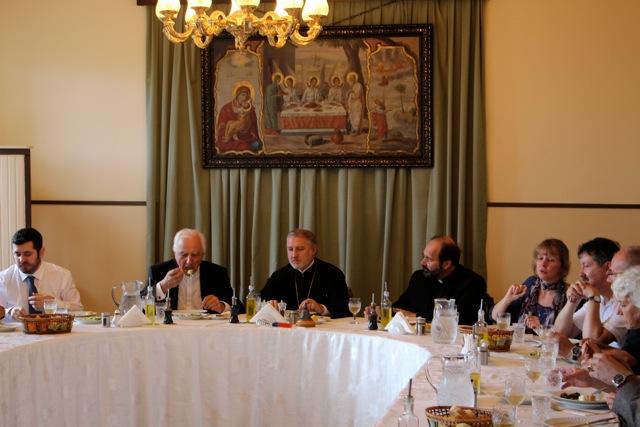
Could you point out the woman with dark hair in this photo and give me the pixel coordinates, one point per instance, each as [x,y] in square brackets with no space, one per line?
[540,298]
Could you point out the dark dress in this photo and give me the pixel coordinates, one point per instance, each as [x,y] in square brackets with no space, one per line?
[322,282]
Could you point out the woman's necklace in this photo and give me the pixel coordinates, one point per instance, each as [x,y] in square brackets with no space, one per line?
[295,281]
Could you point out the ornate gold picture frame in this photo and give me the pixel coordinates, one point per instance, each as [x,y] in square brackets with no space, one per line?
[355,97]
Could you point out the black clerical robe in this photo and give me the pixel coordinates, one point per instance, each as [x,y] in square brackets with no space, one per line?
[466,286]
[322,282]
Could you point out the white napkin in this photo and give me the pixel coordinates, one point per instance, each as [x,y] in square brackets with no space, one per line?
[268,314]
[132,318]
[399,325]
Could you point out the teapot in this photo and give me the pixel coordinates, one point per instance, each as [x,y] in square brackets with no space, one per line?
[130,295]
[456,387]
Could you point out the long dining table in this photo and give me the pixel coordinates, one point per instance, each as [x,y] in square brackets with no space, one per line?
[213,373]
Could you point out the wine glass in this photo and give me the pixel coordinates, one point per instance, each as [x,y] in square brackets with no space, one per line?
[354,307]
[514,392]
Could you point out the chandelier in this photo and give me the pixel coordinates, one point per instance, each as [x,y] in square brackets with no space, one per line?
[278,26]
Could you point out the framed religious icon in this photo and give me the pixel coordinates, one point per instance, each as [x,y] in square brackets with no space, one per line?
[354,97]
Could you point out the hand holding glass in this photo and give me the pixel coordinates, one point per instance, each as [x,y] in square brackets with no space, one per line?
[354,307]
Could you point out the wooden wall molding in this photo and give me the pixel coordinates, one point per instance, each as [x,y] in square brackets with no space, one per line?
[564,205]
[90,202]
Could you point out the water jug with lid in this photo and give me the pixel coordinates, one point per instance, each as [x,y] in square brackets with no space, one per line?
[130,295]
[455,387]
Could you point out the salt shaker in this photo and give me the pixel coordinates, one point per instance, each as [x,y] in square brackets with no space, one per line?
[483,351]
[116,317]
[420,322]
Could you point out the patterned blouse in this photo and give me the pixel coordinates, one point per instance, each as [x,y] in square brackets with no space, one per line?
[528,303]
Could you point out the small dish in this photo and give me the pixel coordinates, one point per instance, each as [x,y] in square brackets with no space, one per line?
[579,404]
[8,328]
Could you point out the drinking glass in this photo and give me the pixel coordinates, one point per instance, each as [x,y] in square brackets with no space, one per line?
[503,321]
[50,306]
[518,332]
[532,366]
[540,408]
[354,307]
[503,416]
[514,392]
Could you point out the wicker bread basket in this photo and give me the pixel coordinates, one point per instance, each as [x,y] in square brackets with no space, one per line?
[500,339]
[47,323]
[440,416]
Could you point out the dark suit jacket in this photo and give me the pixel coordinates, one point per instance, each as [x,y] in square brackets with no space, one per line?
[214,280]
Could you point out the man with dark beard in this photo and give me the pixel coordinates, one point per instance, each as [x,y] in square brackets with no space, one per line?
[442,276]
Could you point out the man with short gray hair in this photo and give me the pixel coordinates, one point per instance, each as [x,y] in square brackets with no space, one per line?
[191,282]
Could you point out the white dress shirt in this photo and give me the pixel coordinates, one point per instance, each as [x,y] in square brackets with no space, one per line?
[189,297]
[50,279]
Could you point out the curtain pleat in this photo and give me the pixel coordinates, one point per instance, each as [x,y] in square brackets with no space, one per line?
[371,222]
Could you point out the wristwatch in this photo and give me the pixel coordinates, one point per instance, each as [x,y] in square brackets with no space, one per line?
[576,351]
[595,298]
[619,379]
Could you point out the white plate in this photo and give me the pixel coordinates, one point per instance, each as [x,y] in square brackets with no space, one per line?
[89,320]
[574,421]
[8,328]
[578,404]
[190,314]
[219,316]
[320,319]
[83,313]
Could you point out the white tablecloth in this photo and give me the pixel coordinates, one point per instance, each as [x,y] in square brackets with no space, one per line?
[204,373]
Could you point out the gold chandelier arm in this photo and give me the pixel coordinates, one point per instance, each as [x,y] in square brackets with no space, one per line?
[169,30]
[200,41]
[312,33]
[276,28]
[213,24]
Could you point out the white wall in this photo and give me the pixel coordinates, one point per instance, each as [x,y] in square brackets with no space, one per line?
[562,105]
[72,85]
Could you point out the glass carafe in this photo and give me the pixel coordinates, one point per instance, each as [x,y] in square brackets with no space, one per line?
[455,387]
[130,295]
[444,325]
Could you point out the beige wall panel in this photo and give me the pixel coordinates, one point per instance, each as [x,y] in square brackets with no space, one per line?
[562,100]
[74,91]
[515,232]
[101,245]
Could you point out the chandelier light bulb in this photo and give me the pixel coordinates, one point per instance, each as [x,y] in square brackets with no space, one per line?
[254,3]
[199,3]
[173,5]
[315,7]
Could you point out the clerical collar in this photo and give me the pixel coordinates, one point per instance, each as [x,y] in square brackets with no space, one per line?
[306,269]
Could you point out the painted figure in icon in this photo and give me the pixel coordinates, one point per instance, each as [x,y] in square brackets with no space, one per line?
[237,126]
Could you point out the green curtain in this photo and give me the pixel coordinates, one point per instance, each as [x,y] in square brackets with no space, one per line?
[371,222]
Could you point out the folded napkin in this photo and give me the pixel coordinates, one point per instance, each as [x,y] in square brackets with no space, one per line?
[399,325]
[132,318]
[267,314]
